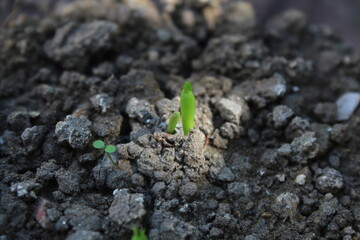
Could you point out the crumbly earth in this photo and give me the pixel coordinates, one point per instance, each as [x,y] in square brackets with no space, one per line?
[275,149]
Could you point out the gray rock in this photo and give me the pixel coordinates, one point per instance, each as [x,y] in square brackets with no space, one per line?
[297,127]
[141,110]
[288,203]
[346,105]
[158,188]
[149,163]
[18,121]
[166,107]
[328,60]
[301,148]
[74,130]
[107,125]
[281,115]
[26,189]
[188,190]
[340,133]
[329,206]
[33,137]
[165,224]
[322,135]
[85,235]
[216,232]
[69,182]
[103,70]
[292,19]
[47,170]
[73,45]
[141,84]
[127,209]
[262,91]
[300,179]
[239,189]
[102,102]
[330,181]
[226,175]
[230,130]
[230,111]
[326,112]
[239,17]
[82,217]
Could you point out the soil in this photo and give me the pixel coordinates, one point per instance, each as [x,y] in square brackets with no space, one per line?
[275,149]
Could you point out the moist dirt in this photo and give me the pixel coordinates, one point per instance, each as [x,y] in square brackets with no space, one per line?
[275,149]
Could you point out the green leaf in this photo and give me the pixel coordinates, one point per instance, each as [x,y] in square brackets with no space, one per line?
[110,149]
[174,119]
[188,105]
[138,235]
[98,144]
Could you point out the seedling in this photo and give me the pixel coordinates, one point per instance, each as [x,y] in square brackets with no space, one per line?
[98,144]
[138,235]
[174,119]
[187,105]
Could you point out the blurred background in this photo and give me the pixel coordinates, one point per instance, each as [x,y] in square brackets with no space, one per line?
[341,15]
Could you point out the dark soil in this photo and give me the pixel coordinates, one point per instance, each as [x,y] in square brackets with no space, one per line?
[275,149]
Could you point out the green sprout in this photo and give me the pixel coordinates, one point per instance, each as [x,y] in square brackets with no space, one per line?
[138,235]
[174,119]
[98,144]
[187,104]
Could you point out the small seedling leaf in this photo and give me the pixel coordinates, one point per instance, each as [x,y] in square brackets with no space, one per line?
[174,119]
[138,235]
[98,144]
[187,108]
[110,148]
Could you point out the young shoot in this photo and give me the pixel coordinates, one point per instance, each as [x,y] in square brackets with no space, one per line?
[138,235]
[174,119]
[187,105]
[98,144]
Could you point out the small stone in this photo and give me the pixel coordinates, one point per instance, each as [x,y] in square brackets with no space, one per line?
[26,189]
[216,232]
[138,179]
[230,111]
[102,102]
[69,182]
[238,189]
[46,171]
[280,115]
[226,175]
[280,177]
[18,121]
[300,179]
[346,105]
[334,161]
[188,190]
[127,209]
[158,188]
[326,112]
[85,235]
[33,137]
[330,181]
[74,130]
[288,202]
[339,133]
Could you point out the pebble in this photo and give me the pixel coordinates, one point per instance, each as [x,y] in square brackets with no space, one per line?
[300,179]
[346,105]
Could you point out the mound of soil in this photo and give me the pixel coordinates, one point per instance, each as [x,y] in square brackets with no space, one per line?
[275,149]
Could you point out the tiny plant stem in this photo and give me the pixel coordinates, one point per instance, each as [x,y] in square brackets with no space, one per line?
[174,119]
[112,161]
[187,105]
